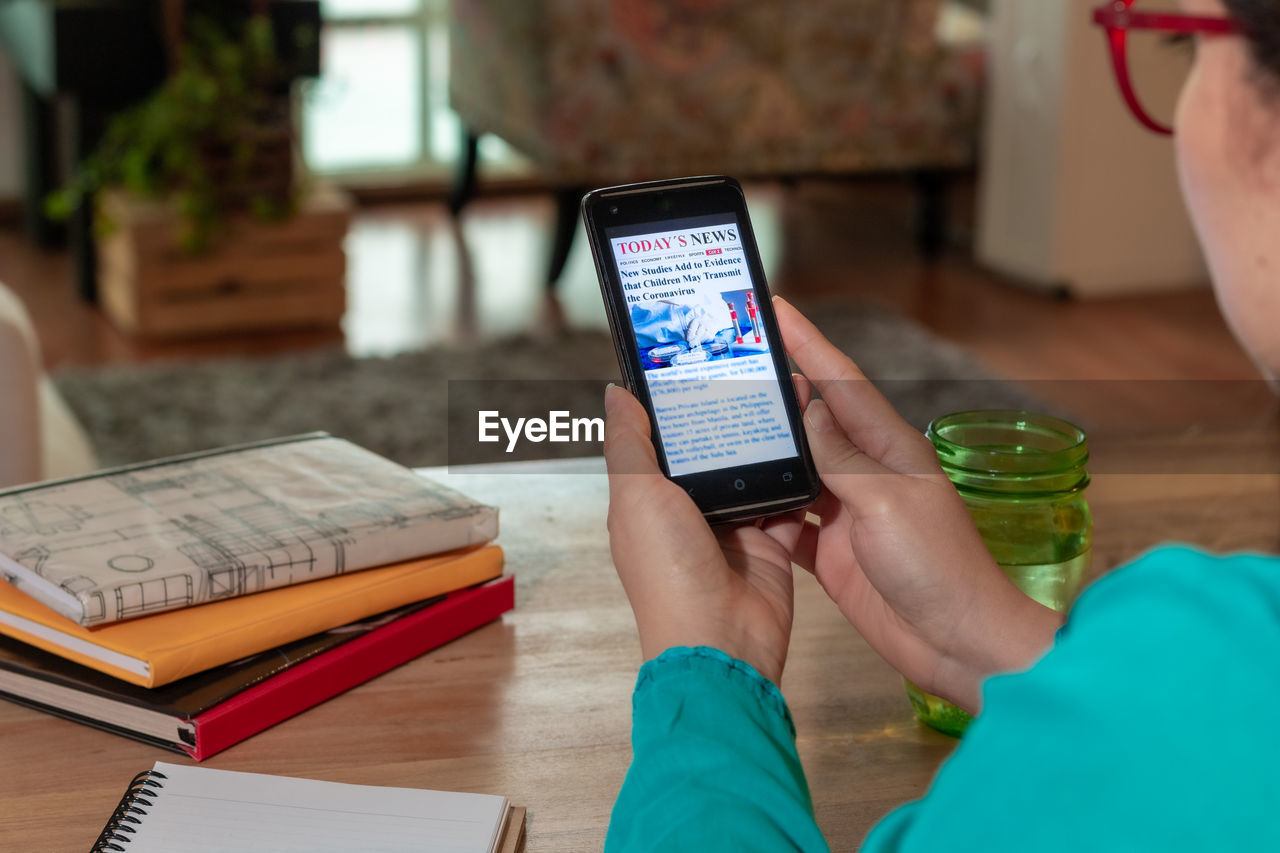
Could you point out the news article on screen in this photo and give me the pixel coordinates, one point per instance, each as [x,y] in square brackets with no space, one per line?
[708,363]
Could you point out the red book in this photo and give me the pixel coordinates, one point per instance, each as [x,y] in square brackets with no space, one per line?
[205,713]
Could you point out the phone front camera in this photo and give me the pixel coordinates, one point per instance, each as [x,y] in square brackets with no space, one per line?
[614,210]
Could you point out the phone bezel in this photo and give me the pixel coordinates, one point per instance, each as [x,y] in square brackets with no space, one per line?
[656,202]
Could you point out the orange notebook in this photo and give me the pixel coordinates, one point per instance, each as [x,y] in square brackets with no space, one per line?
[155,650]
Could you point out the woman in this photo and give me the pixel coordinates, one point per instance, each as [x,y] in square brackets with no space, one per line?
[1137,726]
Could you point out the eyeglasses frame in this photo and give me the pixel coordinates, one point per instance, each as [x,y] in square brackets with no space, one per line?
[1118,18]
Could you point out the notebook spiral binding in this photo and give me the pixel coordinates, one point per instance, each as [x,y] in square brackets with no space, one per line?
[122,824]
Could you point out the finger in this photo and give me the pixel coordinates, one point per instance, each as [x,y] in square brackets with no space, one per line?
[868,419]
[804,391]
[863,486]
[826,507]
[805,552]
[628,448]
[833,453]
[785,529]
[828,510]
[857,480]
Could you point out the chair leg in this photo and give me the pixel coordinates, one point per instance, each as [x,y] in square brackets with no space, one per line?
[932,186]
[40,172]
[568,200]
[464,178]
[91,117]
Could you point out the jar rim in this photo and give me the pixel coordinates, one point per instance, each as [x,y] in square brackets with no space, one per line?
[1010,448]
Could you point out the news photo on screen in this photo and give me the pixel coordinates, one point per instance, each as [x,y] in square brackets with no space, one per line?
[704,351]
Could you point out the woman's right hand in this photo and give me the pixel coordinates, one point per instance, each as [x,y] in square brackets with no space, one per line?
[896,548]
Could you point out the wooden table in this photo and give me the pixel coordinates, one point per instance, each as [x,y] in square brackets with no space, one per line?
[537,707]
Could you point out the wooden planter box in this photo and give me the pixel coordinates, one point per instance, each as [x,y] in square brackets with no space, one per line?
[261,275]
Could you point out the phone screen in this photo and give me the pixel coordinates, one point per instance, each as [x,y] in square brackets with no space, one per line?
[707,359]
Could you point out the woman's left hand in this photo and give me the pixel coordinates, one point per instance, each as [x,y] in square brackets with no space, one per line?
[730,589]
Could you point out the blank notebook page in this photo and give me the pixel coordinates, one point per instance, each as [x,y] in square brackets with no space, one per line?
[200,810]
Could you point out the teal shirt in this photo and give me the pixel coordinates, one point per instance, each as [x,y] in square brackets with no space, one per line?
[1150,725]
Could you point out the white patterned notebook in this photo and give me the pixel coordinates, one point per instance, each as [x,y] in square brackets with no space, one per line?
[183,531]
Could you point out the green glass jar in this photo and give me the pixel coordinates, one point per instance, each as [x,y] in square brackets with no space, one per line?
[1022,475]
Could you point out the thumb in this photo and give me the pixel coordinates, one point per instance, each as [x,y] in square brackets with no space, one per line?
[628,448]
[837,458]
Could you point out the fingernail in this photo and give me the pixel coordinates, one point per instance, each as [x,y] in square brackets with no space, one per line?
[818,417]
[777,298]
[610,395]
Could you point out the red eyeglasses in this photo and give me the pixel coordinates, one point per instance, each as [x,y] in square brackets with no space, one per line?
[1119,18]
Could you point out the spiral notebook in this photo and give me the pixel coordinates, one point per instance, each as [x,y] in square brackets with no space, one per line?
[200,810]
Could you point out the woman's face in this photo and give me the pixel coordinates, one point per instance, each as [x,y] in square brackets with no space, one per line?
[1228,141]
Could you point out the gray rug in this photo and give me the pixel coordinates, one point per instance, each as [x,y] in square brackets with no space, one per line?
[400,406]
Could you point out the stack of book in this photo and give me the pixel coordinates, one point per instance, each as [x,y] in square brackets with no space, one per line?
[192,602]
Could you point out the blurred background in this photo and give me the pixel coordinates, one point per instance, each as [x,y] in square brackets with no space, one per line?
[260,212]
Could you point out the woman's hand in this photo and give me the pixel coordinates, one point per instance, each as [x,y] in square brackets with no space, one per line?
[689,586]
[896,548]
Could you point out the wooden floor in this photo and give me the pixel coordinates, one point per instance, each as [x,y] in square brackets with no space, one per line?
[416,280]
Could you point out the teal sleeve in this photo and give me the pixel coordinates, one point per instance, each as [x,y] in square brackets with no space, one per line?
[715,765]
[1148,726]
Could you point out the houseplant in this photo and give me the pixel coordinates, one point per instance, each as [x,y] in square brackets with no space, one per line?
[203,225]
[216,138]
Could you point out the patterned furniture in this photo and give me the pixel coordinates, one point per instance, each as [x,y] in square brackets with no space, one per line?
[597,92]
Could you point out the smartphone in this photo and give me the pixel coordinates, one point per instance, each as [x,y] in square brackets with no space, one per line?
[698,343]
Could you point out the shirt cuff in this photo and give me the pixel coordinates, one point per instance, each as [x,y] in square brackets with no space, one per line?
[704,661]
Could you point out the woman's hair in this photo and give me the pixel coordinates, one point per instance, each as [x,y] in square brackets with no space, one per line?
[1260,22]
